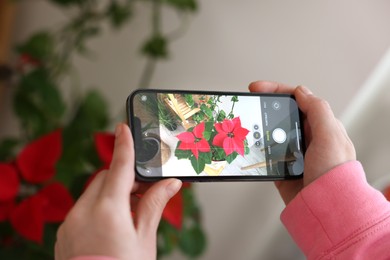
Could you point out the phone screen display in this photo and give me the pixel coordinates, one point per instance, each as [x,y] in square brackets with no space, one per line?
[213,135]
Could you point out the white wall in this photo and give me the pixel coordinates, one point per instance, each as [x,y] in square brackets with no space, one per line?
[330,46]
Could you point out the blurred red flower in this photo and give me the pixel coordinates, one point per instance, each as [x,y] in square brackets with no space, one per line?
[34,168]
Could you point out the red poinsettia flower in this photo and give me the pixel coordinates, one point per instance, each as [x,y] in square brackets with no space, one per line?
[37,160]
[194,140]
[6,207]
[36,165]
[104,143]
[9,187]
[50,204]
[230,136]
[173,212]
[9,182]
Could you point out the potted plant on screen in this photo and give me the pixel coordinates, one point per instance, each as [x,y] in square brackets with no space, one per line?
[216,138]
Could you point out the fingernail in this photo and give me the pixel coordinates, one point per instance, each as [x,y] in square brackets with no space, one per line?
[173,187]
[118,130]
[305,90]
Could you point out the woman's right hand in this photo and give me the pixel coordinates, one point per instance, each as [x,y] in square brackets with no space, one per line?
[327,142]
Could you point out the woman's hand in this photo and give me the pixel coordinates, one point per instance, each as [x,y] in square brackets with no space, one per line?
[327,143]
[101,222]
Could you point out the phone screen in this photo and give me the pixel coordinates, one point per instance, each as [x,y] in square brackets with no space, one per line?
[215,136]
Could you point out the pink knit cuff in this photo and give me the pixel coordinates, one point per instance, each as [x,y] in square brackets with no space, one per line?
[336,206]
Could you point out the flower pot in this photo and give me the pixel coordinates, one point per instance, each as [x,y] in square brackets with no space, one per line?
[215,168]
[155,152]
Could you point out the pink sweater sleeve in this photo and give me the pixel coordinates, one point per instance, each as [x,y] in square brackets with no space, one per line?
[340,216]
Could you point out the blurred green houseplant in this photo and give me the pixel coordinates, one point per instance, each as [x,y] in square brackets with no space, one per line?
[64,132]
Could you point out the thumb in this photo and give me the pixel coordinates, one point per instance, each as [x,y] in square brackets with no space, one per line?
[152,204]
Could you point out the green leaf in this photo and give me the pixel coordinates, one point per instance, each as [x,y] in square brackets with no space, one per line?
[35,251]
[198,164]
[234,98]
[38,103]
[43,92]
[230,158]
[32,120]
[201,117]
[8,253]
[183,5]
[118,14]
[206,110]
[167,237]
[7,147]
[92,114]
[72,163]
[39,46]
[189,100]
[156,47]
[78,185]
[206,157]
[246,147]
[73,159]
[52,101]
[49,238]
[78,147]
[191,209]
[192,241]
[221,116]
[219,154]
[83,36]
[208,130]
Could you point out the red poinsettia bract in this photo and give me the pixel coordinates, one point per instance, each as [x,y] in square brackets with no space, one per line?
[104,143]
[230,136]
[34,168]
[173,212]
[194,141]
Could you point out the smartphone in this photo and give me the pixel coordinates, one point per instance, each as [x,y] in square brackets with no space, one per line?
[215,136]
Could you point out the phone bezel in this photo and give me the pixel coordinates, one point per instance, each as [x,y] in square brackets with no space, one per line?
[223,178]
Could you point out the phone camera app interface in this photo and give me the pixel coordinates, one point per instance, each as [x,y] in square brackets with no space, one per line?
[283,142]
[181,134]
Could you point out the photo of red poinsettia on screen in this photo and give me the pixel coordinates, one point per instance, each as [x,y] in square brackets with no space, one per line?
[214,139]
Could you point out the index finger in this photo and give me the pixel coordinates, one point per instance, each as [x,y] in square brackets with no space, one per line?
[120,177]
[270,87]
